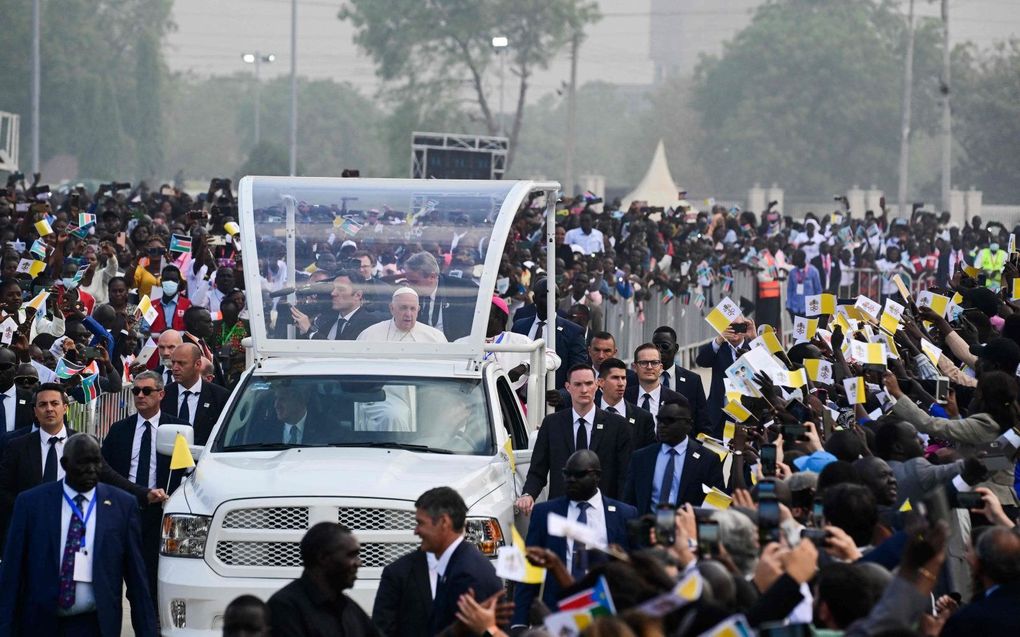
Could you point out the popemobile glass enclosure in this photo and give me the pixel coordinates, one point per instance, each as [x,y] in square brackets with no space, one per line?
[292,228]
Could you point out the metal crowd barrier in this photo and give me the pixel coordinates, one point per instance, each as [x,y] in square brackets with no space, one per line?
[692,330]
[869,282]
[96,417]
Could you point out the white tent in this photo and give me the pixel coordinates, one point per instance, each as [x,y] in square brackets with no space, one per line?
[657,186]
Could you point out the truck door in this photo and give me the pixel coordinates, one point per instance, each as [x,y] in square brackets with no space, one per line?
[513,420]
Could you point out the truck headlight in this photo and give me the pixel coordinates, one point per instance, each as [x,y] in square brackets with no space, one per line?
[485,533]
[184,535]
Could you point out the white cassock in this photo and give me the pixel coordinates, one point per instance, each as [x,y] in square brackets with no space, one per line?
[388,331]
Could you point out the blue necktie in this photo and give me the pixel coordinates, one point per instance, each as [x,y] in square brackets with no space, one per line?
[667,478]
[665,380]
[144,456]
[579,563]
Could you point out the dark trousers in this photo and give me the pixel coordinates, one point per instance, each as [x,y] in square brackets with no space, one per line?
[83,625]
[152,520]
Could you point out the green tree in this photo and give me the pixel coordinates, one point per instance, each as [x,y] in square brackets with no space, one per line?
[808,96]
[266,158]
[986,117]
[444,47]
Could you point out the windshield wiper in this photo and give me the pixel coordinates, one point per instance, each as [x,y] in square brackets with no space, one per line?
[260,446]
[393,445]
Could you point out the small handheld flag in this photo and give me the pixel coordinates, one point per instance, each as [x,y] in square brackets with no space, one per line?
[85,218]
[38,250]
[854,388]
[723,314]
[149,313]
[180,243]
[90,387]
[181,458]
[43,227]
[67,369]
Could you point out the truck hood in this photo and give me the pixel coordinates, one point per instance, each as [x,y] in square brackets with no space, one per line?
[334,472]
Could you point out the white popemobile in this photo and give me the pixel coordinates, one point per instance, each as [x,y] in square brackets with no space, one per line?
[378,422]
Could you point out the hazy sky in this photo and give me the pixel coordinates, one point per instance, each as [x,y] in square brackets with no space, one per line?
[212,34]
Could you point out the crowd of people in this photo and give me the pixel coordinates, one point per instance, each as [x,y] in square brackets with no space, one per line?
[854,472]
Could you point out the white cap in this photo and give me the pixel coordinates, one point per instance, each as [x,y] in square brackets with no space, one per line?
[404,290]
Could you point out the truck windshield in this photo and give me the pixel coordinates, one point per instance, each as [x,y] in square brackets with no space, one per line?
[443,415]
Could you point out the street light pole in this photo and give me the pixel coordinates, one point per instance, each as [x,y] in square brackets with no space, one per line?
[293,88]
[35,85]
[500,43]
[257,58]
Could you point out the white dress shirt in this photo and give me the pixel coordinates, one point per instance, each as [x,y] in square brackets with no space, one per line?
[589,422]
[534,333]
[620,407]
[44,443]
[299,425]
[433,564]
[195,390]
[589,243]
[443,560]
[136,448]
[10,406]
[596,520]
[653,403]
[84,596]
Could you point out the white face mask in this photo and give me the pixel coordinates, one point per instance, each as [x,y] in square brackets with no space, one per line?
[69,283]
[502,285]
[994,247]
[169,288]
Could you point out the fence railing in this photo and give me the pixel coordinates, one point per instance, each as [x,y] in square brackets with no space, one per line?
[96,417]
[870,282]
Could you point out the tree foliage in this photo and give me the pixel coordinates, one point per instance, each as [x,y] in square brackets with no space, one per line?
[444,48]
[101,74]
[986,116]
[808,96]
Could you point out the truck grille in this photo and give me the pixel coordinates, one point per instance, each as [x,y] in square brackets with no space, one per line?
[265,541]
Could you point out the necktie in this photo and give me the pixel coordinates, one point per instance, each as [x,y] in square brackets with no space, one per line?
[50,470]
[338,328]
[667,478]
[424,314]
[582,435]
[579,565]
[3,411]
[75,532]
[612,410]
[169,377]
[185,413]
[540,331]
[665,379]
[292,438]
[646,402]
[144,456]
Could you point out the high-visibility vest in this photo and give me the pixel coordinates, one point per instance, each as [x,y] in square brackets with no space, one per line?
[768,289]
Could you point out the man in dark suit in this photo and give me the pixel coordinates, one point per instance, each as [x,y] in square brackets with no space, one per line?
[582,503]
[404,597]
[293,419]
[130,449]
[15,403]
[446,303]
[601,348]
[32,457]
[94,528]
[649,394]
[612,387]
[672,470]
[717,355]
[347,316]
[191,399]
[683,381]
[569,336]
[993,611]
[440,515]
[583,426]
[828,268]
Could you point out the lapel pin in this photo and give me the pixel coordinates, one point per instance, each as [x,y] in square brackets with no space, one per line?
[21,402]
[696,455]
[559,329]
[206,405]
[598,426]
[107,503]
[631,421]
[611,508]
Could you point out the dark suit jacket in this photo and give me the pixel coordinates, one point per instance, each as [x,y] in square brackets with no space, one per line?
[569,344]
[610,440]
[688,384]
[211,401]
[120,439]
[617,515]
[24,414]
[317,429]
[831,284]
[361,319]
[717,362]
[456,298]
[467,568]
[701,466]
[29,579]
[22,469]
[640,423]
[404,597]
[995,614]
[633,394]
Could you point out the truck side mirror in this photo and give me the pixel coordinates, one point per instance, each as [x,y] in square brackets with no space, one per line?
[166,437]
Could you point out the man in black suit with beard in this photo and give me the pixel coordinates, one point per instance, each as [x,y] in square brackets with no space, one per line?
[583,426]
[445,302]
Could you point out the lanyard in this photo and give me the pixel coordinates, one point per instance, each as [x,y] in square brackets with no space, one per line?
[84,517]
[498,340]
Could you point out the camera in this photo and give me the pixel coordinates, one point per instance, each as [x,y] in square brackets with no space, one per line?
[115,186]
[768,513]
[739,328]
[768,460]
[665,525]
[969,500]
[817,536]
[708,538]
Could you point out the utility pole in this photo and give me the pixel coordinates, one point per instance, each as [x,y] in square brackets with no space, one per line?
[293,87]
[35,85]
[947,118]
[568,169]
[908,89]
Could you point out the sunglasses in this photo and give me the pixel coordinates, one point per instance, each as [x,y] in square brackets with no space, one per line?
[4,367]
[145,391]
[26,381]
